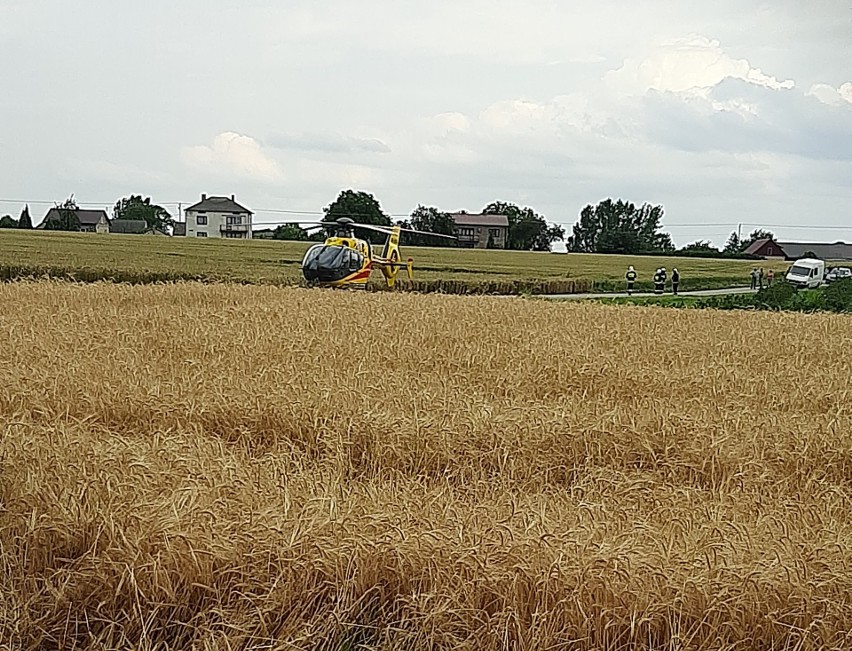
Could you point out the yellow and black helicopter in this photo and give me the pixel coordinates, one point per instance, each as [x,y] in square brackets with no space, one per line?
[346,260]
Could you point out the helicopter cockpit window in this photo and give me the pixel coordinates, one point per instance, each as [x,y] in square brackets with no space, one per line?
[331,263]
[356,260]
[312,254]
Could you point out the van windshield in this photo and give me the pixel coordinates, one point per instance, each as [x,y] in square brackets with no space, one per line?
[800,271]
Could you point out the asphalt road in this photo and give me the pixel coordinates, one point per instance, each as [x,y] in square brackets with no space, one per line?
[703,292]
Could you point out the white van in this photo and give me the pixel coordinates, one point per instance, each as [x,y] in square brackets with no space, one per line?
[807,273]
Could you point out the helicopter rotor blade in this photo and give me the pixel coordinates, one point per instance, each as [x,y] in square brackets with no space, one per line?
[373,227]
[411,230]
[389,229]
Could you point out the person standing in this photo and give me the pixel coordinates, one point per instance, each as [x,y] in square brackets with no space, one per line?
[770,276]
[675,280]
[754,278]
[659,282]
[631,279]
[760,277]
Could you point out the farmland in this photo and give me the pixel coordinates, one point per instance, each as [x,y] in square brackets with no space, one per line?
[226,467]
[143,259]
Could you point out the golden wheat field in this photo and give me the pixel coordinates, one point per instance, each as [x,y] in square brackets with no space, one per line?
[220,467]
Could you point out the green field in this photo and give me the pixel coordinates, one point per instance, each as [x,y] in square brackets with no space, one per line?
[139,258]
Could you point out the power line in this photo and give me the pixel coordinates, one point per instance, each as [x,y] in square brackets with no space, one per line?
[315,213]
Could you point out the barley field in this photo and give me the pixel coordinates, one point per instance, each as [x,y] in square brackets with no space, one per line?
[188,466]
[141,258]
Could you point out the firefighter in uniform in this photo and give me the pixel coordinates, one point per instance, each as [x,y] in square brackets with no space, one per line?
[659,281]
[631,279]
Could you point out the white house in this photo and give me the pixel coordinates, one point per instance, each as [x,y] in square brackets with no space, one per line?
[218,217]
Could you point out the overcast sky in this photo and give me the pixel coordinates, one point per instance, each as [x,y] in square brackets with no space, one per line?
[723,112]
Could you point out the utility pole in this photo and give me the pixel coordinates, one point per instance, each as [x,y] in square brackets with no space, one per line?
[740,232]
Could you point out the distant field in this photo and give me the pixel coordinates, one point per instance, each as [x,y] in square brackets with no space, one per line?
[215,467]
[141,258]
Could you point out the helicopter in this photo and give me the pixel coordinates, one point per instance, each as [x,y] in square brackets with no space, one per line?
[346,260]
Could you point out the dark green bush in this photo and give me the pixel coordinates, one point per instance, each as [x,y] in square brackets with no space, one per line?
[779,296]
[838,296]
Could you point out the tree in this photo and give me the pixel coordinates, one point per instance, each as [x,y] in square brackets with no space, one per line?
[66,217]
[429,220]
[733,245]
[810,254]
[361,207]
[701,246]
[528,231]
[7,221]
[290,232]
[620,227]
[135,207]
[25,221]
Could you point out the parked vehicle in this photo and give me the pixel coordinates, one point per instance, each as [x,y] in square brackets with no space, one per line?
[838,273]
[807,273]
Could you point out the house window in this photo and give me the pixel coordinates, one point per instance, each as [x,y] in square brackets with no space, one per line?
[201,220]
[201,234]
[235,221]
[495,232]
[466,232]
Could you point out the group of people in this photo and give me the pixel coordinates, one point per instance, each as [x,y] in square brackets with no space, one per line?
[660,277]
[757,278]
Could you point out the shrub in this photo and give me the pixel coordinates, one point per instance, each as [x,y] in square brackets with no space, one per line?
[838,296]
[780,296]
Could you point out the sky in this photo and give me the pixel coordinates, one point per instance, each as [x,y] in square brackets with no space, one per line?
[724,113]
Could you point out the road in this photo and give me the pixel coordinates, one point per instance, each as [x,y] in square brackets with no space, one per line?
[703,292]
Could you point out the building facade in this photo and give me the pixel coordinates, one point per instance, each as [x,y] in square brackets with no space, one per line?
[770,249]
[219,217]
[481,231]
[133,227]
[91,221]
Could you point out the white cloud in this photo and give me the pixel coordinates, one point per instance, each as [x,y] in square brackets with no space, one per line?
[692,64]
[831,95]
[446,123]
[232,153]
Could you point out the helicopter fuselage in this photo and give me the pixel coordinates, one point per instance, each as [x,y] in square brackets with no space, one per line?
[344,259]
[338,261]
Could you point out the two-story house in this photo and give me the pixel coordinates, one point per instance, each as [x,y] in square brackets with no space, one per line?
[481,231]
[218,217]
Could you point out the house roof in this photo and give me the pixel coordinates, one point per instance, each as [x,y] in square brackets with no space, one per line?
[835,251]
[87,217]
[133,226]
[465,219]
[218,204]
[757,245]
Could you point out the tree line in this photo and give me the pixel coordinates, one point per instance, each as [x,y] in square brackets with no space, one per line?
[24,221]
[528,231]
[625,228]
[617,227]
[65,217]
